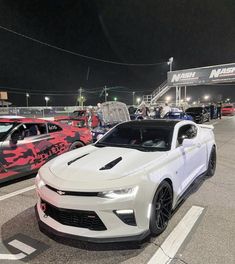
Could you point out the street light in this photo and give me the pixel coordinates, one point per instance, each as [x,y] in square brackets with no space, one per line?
[168,98]
[115,98]
[206,97]
[46,99]
[188,99]
[27,99]
[138,100]
[170,62]
[194,102]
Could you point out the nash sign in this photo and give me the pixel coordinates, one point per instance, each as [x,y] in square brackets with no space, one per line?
[200,76]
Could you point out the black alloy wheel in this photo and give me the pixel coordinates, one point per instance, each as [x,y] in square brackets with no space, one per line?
[76,144]
[212,163]
[201,120]
[161,209]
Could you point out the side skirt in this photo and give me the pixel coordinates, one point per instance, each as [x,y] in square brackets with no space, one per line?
[193,187]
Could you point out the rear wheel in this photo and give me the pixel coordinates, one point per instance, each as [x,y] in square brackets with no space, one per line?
[76,144]
[161,208]
[212,163]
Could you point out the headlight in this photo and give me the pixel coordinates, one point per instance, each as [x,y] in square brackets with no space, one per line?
[121,193]
[39,182]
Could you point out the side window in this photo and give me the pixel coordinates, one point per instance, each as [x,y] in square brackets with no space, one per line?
[34,129]
[53,128]
[187,131]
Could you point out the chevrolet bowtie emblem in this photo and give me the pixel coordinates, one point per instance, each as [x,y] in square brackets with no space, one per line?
[60,192]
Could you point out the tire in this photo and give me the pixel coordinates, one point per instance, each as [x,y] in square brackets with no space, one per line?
[212,163]
[201,120]
[161,209]
[76,144]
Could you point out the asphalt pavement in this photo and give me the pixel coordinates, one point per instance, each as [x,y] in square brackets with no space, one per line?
[201,231]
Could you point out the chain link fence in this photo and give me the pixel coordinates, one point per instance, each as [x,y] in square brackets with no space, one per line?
[38,112]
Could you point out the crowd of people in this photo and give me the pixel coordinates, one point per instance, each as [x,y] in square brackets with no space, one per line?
[160,111]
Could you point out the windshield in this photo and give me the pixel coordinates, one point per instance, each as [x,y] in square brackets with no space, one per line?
[228,106]
[143,138]
[5,128]
[194,110]
[78,113]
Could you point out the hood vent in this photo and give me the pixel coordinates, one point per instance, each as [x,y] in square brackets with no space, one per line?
[72,161]
[111,164]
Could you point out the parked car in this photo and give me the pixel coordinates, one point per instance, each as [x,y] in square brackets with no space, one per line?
[178,115]
[125,186]
[80,124]
[112,113]
[228,109]
[81,115]
[199,114]
[27,143]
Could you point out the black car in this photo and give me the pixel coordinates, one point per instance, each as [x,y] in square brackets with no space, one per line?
[199,114]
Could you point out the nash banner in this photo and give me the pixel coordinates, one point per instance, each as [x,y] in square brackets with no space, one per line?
[200,76]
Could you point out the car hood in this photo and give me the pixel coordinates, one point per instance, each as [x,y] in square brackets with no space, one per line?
[85,165]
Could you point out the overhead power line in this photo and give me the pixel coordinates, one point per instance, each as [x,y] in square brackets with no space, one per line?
[79,54]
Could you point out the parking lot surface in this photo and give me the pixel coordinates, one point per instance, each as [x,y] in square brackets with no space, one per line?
[202,229]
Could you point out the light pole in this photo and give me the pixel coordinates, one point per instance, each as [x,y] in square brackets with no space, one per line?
[170,62]
[133,97]
[46,99]
[27,99]
[105,93]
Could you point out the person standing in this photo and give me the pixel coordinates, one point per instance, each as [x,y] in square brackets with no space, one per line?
[219,109]
[212,110]
[166,109]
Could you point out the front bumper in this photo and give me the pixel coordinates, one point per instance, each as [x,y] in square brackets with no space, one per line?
[46,229]
[116,229]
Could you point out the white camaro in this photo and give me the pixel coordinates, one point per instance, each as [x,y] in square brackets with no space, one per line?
[125,186]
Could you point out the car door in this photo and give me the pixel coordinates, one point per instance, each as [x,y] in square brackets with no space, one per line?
[193,155]
[20,149]
[59,140]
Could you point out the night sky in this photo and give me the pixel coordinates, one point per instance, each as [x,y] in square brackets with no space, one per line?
[196,33]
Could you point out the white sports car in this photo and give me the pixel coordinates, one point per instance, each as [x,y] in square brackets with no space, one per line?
[125,186]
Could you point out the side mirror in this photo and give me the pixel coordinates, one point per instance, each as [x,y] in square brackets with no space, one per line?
[16,135]
[81,124]
[187,142]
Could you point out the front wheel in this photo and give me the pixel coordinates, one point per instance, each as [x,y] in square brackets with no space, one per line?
[76,144]
[212,163]
[161,209]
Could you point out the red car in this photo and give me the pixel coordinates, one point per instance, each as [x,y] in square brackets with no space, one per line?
[228,109]
[80,115]
[26,144]
[80,124]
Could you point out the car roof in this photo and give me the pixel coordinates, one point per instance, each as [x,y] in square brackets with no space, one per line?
[22,120]
[156,122]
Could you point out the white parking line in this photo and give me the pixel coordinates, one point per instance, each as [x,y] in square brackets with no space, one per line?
[9,195]
[22,246]
[12,256]
[173,242]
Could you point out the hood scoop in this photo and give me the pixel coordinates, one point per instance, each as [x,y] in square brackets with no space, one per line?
[111,164]
[72,161]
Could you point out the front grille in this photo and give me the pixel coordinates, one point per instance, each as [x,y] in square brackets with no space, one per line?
[77,218]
